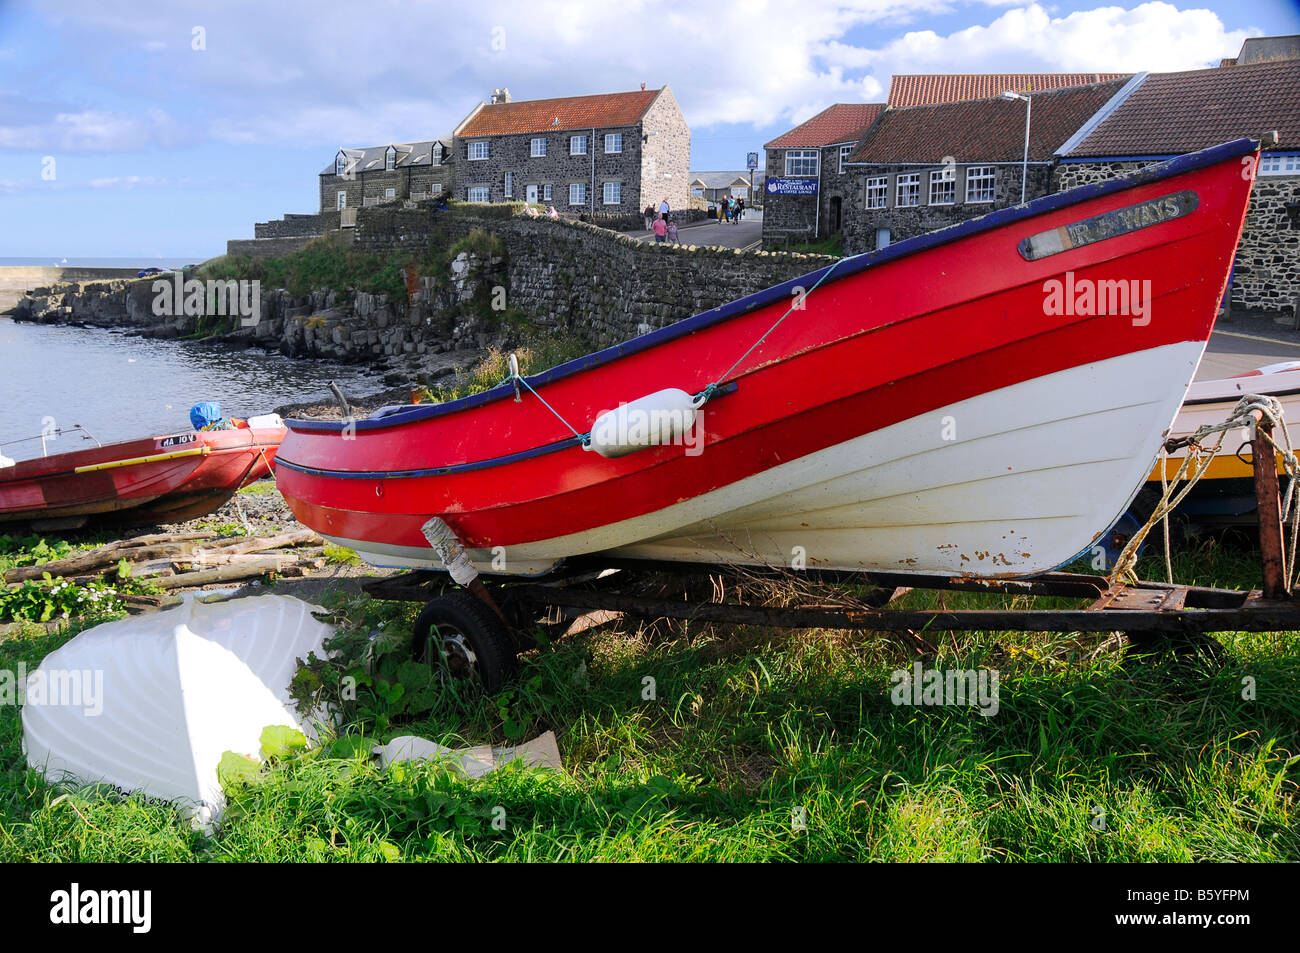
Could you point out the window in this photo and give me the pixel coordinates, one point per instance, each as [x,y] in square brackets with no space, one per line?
[697,192]
[436,153]
[390,193]
[510,185]
[578,145]
[979,183]
[390,159]
[340,164]
[539,148]
[613,142]
[477,193]
[1279,165]
[478,150]
[801,162]
[546,192]
[342,201]
[877,192]
[909,190]
[578,193]
[613,193]
[943,187]
[845,152]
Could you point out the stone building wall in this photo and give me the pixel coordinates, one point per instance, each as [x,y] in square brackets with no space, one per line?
[785,215]
[373,184]
[666,160]
[861,224]
[1266,277]
[558,168]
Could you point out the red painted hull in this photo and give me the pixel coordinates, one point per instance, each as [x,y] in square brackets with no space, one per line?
[902,335]
[137,482]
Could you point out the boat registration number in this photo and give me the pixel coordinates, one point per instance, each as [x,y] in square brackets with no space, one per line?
[1110,224]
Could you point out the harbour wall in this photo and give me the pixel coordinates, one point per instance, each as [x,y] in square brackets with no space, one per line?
[16,280]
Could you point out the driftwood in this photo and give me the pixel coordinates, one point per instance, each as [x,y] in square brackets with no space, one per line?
[97,558]
[257,544]
[246,570]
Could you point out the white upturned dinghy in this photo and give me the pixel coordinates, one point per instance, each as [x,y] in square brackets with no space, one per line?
[151,703]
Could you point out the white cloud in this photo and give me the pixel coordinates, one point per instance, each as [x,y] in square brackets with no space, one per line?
[283,74]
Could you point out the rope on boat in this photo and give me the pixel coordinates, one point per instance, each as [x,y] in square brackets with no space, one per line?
[704,396]
[1194,465]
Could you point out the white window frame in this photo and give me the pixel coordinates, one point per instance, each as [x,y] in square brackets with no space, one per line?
[911,180]
[582,193]
[615,137]
[481,189]
[942,178]
[605,192]
[1279,165]
[340,164]
[390,159]
[477,146]
[876,187]
[845,152]
[341,201]
[509,185]
[979,175]
[537,148]
[573,145]
[800,157]
[390,193]
[436,153]
[546,192]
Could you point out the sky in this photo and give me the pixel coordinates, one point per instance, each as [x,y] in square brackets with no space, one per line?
[161,130]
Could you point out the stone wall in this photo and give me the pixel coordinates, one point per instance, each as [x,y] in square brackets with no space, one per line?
[263,248]
[861,224]
[785,216]
[297,226]
[558,168]
[666,165]
[373,184]
[1266,277]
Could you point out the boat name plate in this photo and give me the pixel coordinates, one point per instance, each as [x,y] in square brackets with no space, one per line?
[1110,224]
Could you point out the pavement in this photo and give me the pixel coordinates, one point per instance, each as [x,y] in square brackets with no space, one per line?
[747,233]
[1245,342]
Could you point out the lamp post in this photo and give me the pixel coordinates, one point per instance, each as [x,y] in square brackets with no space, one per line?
[1024,165]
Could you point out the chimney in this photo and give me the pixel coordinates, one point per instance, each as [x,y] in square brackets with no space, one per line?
[643,87]
[500,96]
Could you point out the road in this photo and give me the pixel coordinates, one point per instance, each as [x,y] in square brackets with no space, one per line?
[1233,352]
[746,233]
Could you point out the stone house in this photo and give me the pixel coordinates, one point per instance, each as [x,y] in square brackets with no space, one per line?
[609,153]
[1168,114]
[388,173]
[919,168]
[805,175]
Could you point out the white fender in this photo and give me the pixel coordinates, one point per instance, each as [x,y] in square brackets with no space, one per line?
[650,421]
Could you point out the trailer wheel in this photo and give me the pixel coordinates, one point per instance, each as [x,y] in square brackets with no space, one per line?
[466,640]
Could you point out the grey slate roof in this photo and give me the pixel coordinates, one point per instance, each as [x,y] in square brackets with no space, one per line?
[371,159]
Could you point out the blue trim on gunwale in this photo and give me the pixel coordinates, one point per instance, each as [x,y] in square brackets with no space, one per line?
[844,268]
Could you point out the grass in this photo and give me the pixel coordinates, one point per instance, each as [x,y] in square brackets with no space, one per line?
[767,745]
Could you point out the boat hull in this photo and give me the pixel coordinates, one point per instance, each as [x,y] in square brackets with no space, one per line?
[925,409]
[156,479]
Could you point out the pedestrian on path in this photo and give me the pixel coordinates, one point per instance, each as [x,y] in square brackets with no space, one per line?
[660,229]
[740,208]
[663,207]
[672,233]
[649,215]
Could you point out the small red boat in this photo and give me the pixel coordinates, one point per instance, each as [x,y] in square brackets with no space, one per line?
[984,400]
[138,482]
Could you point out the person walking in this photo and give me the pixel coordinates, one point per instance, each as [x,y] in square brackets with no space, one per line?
[660,229]
[649,215]
[740,208]
[672,233]
[663,208]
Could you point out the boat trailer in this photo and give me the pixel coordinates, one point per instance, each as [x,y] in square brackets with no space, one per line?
[481,626]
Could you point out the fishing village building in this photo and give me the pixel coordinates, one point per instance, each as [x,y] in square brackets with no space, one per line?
[388,173]
[806,181]
[608,153]
[919,168]
[1168,114]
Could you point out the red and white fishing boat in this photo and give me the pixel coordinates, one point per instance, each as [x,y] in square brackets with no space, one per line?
[138,482]
[957,403]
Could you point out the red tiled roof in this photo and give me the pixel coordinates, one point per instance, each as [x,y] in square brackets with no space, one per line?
[843,122]
[1173,113]
[983,130]
[573,112]
[928,89]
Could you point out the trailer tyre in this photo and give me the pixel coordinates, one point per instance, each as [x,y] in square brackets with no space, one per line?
[462,636]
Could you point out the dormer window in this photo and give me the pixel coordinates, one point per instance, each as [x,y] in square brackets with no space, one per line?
[436,152]
[340,163]
[390,159]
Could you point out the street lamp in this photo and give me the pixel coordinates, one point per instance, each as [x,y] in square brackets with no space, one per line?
[1024,165]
